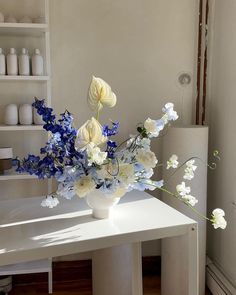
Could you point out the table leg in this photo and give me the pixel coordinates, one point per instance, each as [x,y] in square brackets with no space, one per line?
[180,273]
[193,261]
[118,270]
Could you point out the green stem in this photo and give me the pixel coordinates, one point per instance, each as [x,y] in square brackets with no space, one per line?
[180,199]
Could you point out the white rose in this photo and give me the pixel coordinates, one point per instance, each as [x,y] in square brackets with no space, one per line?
[100,94]
[218,219]
[91,131]
[151,127]
[126,174]
[84,186]
[95,155]
[146,158]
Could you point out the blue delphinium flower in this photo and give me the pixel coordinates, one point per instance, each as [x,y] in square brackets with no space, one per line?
[111,145]
[59,150]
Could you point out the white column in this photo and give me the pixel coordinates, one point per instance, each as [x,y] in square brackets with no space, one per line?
[118,270]
[185,142]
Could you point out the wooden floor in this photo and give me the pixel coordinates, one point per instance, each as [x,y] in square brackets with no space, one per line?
[82,287]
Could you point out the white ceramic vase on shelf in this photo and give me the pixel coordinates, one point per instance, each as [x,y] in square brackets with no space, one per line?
[10,19]
[26,114]
[24,64]
[11,114]
[1,17]
[12,64]
[2,63]
[101,204]
[37,63]
[37,118]
[25,19]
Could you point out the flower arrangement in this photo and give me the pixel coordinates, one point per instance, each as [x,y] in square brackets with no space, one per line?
[89,159]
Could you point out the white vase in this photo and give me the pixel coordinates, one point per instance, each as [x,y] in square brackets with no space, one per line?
[10,19]
[26,114]
[24,65]
[101,204]
[2,63]
[26,20]
[12,64]
[38,120]
[1,17]
[11,114]
[37,63]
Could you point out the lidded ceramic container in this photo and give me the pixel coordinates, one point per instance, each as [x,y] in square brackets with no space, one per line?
[26,114]
[11,114]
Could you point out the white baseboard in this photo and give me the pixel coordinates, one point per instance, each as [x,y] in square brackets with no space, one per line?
[216,281]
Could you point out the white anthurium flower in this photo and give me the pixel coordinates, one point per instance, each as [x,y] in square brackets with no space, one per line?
[218,219]
[91,131]
[190,200]
[182,189]
[172,162]
[50,202]
[151,127]
[84,186]
[146,158]
[126,174]
[100,94]
[95,155]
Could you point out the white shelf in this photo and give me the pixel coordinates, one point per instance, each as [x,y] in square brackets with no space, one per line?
[12,175]
[23,29]
[21,128]
[27,267]
[24,78]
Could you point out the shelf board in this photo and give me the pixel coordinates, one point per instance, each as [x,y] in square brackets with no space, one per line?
[21,128]
[37,266]
[24,78]
[23,29]
[12,175]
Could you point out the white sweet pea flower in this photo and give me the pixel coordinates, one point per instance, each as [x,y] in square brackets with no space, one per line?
[168,109]
[84,186]
[190,200]
[151,127]
[190,164]
[189,175]
[218,219]
[95,155]
[182,189]
[100,94]
[146,158]
[50,202]
[189,170]
[172,162]
[91,131]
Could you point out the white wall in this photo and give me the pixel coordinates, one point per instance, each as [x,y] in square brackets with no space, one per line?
[222,93]
[137,46]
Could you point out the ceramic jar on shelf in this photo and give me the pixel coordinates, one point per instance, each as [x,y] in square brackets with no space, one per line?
[12,63]
[26,114]
[11,114]
[2,63]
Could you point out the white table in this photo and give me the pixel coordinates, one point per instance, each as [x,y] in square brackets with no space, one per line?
[30,232]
